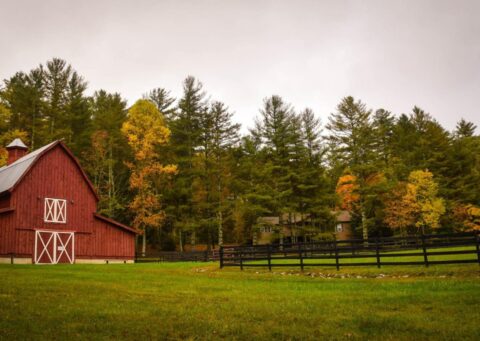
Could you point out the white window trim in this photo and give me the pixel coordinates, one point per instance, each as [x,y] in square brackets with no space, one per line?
[55,211]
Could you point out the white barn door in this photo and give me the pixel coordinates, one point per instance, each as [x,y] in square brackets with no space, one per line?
[53,247]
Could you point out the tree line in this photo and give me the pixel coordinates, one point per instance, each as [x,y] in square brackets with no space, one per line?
[179,168]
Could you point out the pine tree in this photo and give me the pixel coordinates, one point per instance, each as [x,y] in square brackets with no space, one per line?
[383,124]
[463,173]
[164,102]
[23,95]
[57,74]
[464,129]
[218,135]
[77,115]
[104,160]
[313,197]
[352,142]
[185,140]
[277,130]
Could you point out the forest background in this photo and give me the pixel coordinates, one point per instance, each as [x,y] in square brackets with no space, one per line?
[181,170]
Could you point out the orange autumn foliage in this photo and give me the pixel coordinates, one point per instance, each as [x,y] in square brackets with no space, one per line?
[347,191]
[468,217]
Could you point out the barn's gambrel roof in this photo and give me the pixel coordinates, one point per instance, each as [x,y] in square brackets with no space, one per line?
[12,175]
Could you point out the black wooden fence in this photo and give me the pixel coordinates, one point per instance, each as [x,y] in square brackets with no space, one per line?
[175,256]
[421,249]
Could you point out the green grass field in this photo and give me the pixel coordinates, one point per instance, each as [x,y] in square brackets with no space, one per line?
[199,301]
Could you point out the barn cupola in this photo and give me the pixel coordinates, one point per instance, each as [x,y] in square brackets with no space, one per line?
[16,149]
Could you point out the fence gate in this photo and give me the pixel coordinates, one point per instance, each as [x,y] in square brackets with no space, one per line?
[53,247]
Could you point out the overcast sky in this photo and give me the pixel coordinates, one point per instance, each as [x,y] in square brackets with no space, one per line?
[390,54]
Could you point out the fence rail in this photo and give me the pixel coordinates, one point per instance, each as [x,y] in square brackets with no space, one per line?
[175,256]
[360,252]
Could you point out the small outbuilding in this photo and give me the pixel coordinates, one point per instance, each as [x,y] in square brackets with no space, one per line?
[48,211]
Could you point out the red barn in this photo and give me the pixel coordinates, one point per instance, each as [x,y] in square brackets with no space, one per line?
[48,212]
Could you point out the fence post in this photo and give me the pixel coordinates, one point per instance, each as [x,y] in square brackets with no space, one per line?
[269,255]
[221,257]
[301,255]
[477,237]
[377,251]
[336,254]
[241,260]
[12,257]
[424,247]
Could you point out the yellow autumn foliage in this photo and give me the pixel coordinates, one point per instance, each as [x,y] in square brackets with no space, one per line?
[145,129]
[421,195]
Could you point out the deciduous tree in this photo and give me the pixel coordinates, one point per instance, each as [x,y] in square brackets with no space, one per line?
[145,129]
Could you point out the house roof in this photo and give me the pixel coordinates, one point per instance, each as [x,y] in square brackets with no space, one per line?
[343,216]
[12,175]
[17,143]
[275,220]
[269,220]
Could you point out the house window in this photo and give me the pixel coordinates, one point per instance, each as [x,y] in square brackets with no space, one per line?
[339,228]
[266,229]
[55,210]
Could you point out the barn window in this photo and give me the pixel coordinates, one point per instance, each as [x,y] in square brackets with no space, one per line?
[55,210]
[339,228]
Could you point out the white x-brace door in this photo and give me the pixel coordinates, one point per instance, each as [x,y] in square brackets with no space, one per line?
[52,247]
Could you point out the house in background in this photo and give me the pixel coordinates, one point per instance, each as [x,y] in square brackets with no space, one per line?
[269,229]
[343,227]
[48,212]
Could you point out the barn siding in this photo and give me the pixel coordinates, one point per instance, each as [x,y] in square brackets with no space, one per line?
[113,241]
[55,175]
[7,237]
[5,201]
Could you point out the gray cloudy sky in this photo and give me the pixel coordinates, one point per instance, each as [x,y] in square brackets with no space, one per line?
[391,54]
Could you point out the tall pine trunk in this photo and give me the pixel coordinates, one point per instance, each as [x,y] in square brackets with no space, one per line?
[364,225]
[181,240]
[144,242]
[220,229]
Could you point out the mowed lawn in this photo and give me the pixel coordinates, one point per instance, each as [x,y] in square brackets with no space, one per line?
[199,301]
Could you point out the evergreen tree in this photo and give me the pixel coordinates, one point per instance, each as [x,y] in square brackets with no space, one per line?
[314,197]
[277,134]
[464,129]
[219,135]
[352,141]
[463,173]
[77,115]
[185,139]
[23,95]
[383,124]
[105,158]
[164,102]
